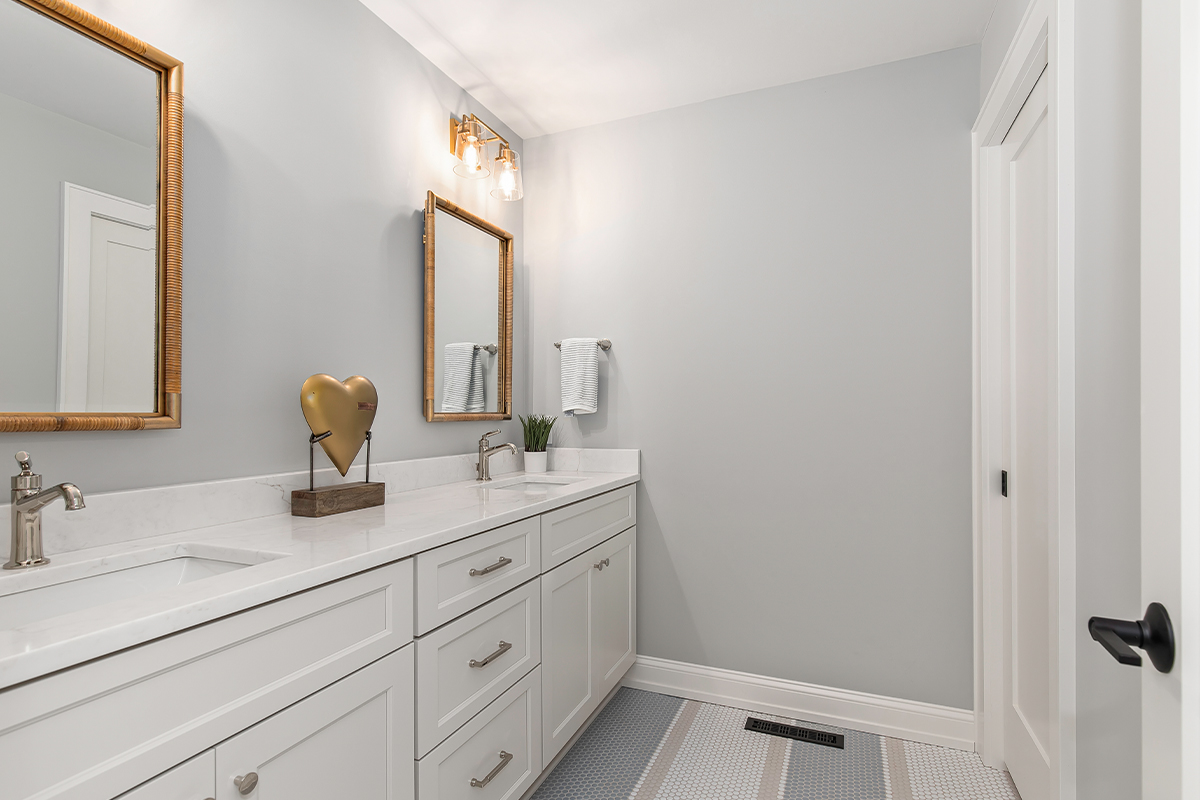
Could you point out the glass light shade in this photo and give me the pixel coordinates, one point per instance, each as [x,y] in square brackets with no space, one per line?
[470,150]
[506,176]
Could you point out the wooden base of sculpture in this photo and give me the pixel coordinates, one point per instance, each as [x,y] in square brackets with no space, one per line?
[326,500]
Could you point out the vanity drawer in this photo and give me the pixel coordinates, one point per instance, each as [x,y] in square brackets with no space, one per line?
[510,725]
[567,532]
[98,729]
[508,629]
[500,560]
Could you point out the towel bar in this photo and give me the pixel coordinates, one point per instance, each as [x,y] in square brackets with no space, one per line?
[491,348]
[605,344]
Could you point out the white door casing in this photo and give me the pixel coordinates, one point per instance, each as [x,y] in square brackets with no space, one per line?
[1041,53]
[1170,388]
[108,304]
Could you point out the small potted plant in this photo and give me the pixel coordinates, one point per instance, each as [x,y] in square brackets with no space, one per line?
[537,436]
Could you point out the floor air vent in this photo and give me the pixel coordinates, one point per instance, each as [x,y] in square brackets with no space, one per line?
[795,732]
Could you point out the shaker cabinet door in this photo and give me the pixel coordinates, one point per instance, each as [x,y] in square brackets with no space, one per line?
[568,691]
[614,635]
[588,635]
[353,739]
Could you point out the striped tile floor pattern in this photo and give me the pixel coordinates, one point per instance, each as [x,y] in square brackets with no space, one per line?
[647,746]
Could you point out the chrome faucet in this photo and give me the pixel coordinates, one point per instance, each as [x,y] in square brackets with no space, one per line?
[483,468]
[28,499]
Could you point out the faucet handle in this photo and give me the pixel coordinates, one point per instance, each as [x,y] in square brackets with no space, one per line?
[484,439]
[25,462]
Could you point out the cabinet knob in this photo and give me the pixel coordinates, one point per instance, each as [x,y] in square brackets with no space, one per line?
[246,783]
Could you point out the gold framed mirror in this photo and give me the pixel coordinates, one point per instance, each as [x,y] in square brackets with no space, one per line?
[91,143]
[468,315]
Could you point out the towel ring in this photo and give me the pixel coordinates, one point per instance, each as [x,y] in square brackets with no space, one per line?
[605,344]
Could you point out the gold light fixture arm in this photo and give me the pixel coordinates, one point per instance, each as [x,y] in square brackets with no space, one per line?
[455,122]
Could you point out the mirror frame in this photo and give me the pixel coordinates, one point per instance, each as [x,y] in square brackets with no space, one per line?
[505,314]
[170,224]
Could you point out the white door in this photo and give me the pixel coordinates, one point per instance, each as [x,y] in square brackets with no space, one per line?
[568,690]
[613,613]
[1170,391]
[353,739]
[191,780]
[109,284]
[122,323]
[1029,400]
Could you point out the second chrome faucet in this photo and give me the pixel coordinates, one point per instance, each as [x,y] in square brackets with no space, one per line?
[483,469]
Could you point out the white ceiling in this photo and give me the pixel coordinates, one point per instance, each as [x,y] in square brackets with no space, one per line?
[546,66]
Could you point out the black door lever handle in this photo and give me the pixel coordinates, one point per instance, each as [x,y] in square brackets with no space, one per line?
[1112,642]
[1153,633]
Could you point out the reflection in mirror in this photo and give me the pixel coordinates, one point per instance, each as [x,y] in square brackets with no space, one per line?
[465,327]
[78,221]
[468,315]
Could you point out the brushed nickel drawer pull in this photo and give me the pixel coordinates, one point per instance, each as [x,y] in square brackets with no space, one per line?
[503,562]
[246,783]
[601,564]
[504,648]
[504,759]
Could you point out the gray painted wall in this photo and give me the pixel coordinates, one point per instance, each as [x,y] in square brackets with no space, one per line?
[312,133]
[996,39]
[1108,476]
[39,150]
[791,336]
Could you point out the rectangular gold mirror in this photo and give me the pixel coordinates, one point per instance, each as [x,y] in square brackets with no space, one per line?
[468,315]
[91,147]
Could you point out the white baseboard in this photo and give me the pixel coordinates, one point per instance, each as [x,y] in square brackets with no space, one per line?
[888,716]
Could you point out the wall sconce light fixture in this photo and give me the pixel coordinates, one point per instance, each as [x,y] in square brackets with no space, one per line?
[506,176]
[470,147]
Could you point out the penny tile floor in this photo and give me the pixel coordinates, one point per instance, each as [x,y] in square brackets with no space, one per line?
[647,746]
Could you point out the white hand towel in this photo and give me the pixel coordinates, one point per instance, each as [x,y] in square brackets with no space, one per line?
[475,402]
[580,376]
[459,365]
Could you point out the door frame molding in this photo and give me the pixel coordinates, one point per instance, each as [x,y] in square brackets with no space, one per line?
[1044,39]
[1170,386]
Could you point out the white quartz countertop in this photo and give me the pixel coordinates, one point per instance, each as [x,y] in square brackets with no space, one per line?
[303,553]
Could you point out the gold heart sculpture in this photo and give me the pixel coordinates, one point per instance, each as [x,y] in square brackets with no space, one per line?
[344,408]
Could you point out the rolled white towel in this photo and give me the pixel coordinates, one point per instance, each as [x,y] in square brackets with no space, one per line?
[580,376]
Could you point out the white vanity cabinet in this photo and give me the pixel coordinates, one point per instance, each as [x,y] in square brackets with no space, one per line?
[95,730]
[459,672]
[553,647]
[588,635]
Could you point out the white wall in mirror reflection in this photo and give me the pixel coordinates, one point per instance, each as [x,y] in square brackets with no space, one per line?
[73,112]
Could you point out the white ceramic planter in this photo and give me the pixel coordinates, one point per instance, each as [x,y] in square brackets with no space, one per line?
[535,462]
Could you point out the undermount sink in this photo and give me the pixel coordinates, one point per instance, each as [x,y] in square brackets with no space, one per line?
[55,590]
[530,484]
